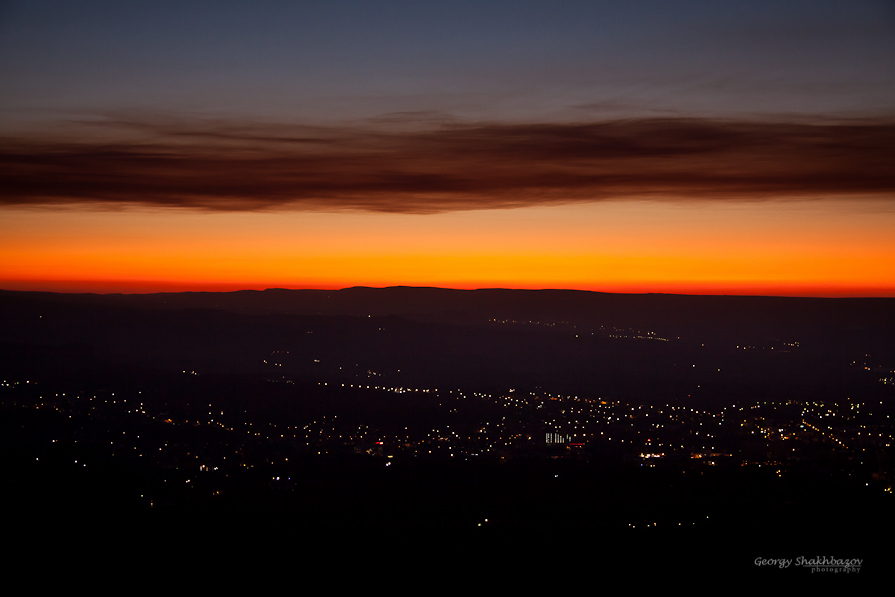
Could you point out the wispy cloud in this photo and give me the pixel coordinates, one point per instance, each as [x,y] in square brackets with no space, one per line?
[446,167]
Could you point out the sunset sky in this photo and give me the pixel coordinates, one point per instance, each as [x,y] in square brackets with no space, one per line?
[685,147]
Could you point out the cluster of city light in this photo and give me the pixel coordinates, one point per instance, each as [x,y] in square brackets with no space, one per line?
[561,420]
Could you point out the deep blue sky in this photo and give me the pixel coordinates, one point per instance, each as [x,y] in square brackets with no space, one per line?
[331,61]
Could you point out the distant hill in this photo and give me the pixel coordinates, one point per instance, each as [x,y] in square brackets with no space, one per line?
[547,306]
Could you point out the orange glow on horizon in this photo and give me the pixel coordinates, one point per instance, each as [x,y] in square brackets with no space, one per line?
[794,248]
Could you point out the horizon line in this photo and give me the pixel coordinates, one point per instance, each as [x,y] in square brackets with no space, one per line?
[889,294]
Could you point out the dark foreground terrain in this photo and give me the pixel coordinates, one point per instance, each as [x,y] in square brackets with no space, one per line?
[501,429]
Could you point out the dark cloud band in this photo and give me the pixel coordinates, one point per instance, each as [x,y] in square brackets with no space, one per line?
[452,167]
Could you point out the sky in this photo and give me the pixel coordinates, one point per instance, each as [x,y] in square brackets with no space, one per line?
[686,147]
